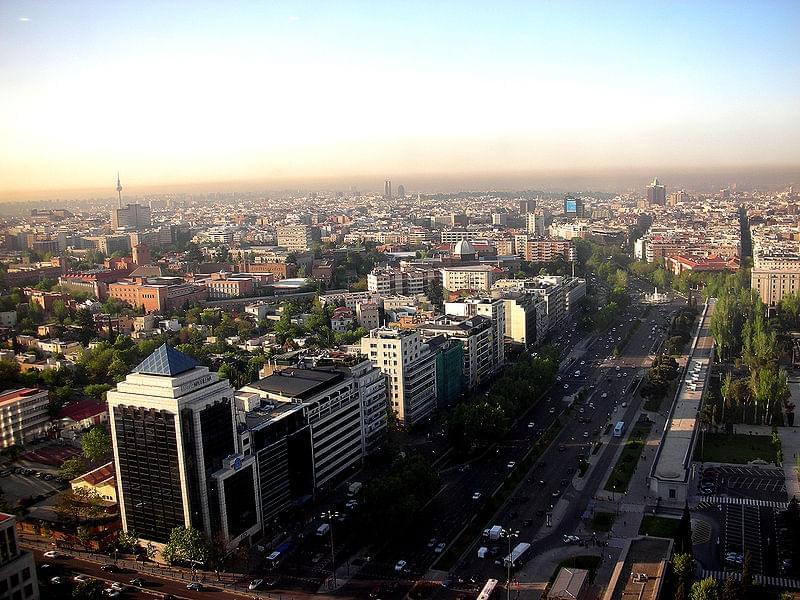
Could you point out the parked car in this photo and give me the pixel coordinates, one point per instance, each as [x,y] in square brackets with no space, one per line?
[400,565]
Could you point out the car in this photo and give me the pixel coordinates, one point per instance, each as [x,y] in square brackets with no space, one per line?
[625,374]
[583,362]
[624,405]
[120,587]
[82,578]
[556,494]
[52,554]
[604,395]
[552,410]
[255,584]
[558,377]
[531,425]
[137,581]
[586,434]
[619,375]
[571,539]
[400,565]
[351,504]
[561,447]
[56,580]
[439,548]
[511,464]
[476,496]
[617,367]
[431,542]
[109,568]
[195,586]
[111,593]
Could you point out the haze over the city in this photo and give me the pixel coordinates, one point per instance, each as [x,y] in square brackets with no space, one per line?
[440,94]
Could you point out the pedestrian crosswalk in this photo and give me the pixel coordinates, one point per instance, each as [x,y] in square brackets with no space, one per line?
[782,583]
[710,501]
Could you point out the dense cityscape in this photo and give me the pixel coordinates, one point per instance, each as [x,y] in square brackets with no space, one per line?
[399,301]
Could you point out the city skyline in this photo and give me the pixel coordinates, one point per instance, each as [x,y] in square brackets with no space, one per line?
[289,95]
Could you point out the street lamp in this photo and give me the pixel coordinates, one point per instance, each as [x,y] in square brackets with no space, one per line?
[330,516]
[509,534]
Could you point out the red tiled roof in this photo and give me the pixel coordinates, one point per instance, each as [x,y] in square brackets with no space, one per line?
[82,410]
[99,475]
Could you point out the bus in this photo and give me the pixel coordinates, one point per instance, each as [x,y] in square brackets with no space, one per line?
[619,428]
[517,556]
[488,590]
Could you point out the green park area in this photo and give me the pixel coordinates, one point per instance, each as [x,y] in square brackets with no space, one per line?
[659,526]
[739,448]
[623,471]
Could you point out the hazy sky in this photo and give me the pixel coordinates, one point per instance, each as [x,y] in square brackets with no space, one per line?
[194,91]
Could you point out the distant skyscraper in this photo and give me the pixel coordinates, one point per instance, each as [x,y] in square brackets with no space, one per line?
[119,192]
[656,193]
[574,207]
[401,191]
[387,188]
[527,206]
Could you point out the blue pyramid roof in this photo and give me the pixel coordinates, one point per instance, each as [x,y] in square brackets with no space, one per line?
[166,361]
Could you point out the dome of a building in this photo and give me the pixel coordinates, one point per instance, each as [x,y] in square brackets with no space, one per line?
[464,248]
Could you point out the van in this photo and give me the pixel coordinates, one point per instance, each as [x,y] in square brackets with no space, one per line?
[323,529]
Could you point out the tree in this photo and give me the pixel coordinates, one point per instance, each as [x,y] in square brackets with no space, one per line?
[96,444]
[683,537]
[730,589]
[72,468]
[78,504]
[88,590]
[9,373]
[747,577]
[436,292]
[127,541]
[705,589]
[683,567]
[186,544]
[97,390]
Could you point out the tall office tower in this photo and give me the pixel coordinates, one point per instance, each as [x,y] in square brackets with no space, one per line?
[173,432]
[17,569]
[133,215]
[656,193]
[526,206]
[401,191]
[387,188]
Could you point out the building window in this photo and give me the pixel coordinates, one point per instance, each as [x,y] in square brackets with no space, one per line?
[672,493]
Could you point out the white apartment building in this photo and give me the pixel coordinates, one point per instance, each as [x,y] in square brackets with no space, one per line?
[295,238]
[477,334]
[410,369]
[391,281]
[491,308]
[23,416]
[520,317]
[474,277]
[774,275]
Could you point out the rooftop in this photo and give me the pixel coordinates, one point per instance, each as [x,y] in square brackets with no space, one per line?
[18,394]
[166,361]
[82,410]
[98,475]
[298,383]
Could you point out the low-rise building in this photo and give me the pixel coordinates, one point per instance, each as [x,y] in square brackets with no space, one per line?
[102,481]
[157,294]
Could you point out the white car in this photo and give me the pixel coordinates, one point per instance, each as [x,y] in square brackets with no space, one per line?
[566,386]
[111,593]
[52,554]
[476,496]
[118,586]
[571,539]
[400,565]
[586,434]
[531,425]
[255,584]
[604,395]
[439,548]
[82,578]
[511,464]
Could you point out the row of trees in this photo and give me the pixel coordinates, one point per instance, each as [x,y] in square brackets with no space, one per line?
[475,424]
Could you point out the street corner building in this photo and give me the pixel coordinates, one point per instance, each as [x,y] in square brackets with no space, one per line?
[174,435]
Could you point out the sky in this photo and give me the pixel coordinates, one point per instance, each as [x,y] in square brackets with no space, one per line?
[189,92]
